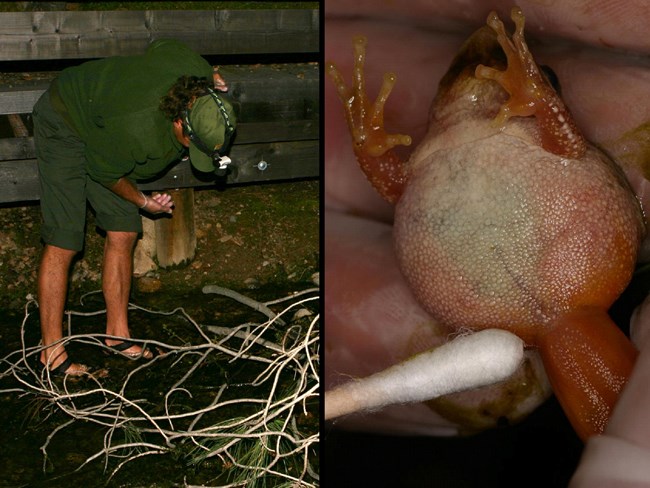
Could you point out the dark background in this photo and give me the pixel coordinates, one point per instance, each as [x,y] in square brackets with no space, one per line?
[542,451]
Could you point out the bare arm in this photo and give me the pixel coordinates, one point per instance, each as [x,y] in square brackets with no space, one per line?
[155,204]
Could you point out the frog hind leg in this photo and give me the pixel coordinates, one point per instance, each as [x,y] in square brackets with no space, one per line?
[588,361]
[373,146]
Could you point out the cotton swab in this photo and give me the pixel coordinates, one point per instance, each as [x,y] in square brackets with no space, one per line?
[467,362]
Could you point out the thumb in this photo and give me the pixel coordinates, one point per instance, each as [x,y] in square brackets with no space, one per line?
[620,456]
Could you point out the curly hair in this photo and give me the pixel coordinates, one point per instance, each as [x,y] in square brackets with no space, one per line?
[181,94]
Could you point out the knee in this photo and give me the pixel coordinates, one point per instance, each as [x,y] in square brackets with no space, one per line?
[121,240]
[53,253]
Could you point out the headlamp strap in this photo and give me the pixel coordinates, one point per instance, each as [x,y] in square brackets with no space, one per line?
[214,153]
[224,113]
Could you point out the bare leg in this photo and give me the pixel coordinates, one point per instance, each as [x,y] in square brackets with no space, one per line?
[52,289]
[116,285]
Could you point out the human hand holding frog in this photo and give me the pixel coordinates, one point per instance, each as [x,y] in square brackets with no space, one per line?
[348,236]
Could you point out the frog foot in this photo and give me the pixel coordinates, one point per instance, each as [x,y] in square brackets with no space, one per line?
[530,91]
[372,144]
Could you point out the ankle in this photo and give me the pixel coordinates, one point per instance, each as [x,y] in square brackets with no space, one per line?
[53,358]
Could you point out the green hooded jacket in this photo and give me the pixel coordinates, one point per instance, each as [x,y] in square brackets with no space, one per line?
[113,104]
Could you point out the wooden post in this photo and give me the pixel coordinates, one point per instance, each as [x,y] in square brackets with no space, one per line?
[145,249]
[17,125]
[175,236]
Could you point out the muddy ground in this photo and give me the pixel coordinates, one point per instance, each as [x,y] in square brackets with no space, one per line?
[248,237]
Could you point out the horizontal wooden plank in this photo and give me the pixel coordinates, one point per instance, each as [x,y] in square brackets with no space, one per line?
[19,99]
[274,92]
[283,161]
[19,181]
[280,161]
[78,35]
[260,93]
[278,113]
[15,148]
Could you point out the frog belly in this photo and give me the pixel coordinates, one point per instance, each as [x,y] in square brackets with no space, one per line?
[501,233]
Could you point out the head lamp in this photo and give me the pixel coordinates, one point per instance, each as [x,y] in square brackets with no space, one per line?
[220,161]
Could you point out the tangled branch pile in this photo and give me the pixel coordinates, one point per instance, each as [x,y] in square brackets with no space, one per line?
[253,428]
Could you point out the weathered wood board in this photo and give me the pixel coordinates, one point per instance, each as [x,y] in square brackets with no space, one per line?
[285,161]
[278,124]
[259,92]
[69,35]
[277,105]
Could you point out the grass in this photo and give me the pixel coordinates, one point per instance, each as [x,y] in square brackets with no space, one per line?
[250,452]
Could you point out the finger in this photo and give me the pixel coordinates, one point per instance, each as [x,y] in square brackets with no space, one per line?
[157,204]
[620,456]
[165,209]
[373,322]
[585,74]
[611,462]
[163,198]
[629,418]
[640,325]
[360,313]
[219,82]
[346,187]
[166,206]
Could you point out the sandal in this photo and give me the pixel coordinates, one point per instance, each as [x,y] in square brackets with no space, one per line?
[61,370]
[126,344]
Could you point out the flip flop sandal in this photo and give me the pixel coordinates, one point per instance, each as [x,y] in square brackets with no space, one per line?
[124,345]
[59,371]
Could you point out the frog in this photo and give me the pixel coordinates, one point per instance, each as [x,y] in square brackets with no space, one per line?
[506,217]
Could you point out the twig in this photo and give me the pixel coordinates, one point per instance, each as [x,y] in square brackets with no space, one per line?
[255,305]
[269,417]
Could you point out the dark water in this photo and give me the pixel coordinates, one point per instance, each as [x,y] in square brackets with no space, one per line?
[29,418]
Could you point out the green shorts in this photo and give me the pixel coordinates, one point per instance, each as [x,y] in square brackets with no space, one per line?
[65,184]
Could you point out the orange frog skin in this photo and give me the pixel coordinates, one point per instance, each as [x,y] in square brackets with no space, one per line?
[507,218]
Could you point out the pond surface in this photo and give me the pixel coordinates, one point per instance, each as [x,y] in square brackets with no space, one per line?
[202,376]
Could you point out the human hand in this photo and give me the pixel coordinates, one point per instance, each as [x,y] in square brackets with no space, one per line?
[159,203]
[361,312]
[620,456]
[219,82]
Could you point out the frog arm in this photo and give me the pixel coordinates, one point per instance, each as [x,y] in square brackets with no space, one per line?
[373,146]
[531,93]
[465,363]
[588,361]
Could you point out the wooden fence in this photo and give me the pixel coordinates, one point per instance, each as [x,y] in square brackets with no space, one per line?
[277,105]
